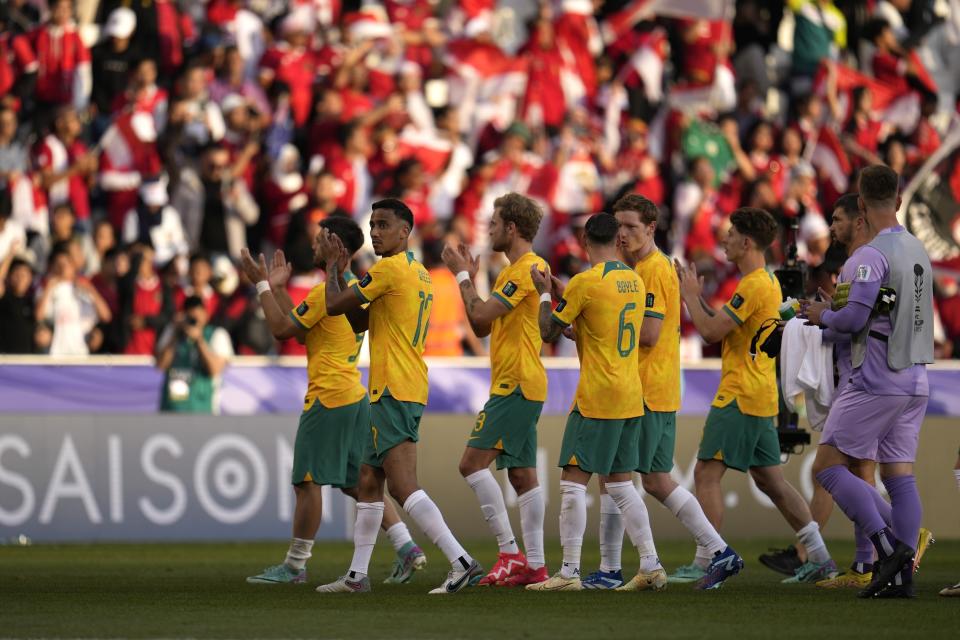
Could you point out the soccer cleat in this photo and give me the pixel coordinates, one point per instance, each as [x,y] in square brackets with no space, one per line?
[458,579]
[951,592]
[687,573]
[785,561]
[603,580]
[279,574]
[725,564]
[529,576]
[892,591]
[850,579]
[344,584]
[813,572]
[655,580]
[924,541]
[507,564]
[410,559]
[557,583]
[885,571]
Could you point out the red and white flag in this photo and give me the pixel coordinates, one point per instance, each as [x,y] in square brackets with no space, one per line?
[622,21]
[433,152]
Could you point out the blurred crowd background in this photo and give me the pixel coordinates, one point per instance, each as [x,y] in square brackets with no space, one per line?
[143,143]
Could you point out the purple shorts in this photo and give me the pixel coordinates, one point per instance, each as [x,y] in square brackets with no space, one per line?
[880,428]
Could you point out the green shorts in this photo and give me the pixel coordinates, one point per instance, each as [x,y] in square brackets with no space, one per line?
[329,444]
[738,440]
[508,423]
[658,435]
[600,446]
[392,422]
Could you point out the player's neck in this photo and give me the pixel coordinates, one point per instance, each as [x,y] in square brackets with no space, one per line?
[750,262]
[882,221]
[644,252]
[599,255]
[401,249]
[518,249]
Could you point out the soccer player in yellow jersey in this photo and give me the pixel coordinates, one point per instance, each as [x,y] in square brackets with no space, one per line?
[393,299]
[506,429]
[659,354]
[739,433]
[336,410]
[605,307]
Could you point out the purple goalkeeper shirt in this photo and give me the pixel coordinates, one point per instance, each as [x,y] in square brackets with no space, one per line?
[868,270]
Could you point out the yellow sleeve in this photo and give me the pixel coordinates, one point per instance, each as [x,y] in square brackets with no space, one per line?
[517,287]
[840,37]
[378,281]
[795,5]
[655,305]
[571,304]
[743,302]
[312,309]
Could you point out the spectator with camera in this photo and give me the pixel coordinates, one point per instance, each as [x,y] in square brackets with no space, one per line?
[193,355]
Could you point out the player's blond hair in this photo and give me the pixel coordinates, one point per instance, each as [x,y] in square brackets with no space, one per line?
[522,212]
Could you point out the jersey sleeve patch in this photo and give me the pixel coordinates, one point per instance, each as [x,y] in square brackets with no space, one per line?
[863,273]
[651,299]
[510,288]
[365,280]
[561,306]
[736,301]
[302,308]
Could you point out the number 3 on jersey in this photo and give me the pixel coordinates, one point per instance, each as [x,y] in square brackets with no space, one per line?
[626,328]
[425,301]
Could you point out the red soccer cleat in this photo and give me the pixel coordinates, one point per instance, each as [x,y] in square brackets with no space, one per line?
[528,576]
[508,564]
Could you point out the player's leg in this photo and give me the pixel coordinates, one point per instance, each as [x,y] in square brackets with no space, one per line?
[577,457]
[366,526]
[893,575]
[321,455]
[532,511]
[610,574]
[400,466]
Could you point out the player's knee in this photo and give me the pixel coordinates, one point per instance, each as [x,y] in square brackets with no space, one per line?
[522,480]
[657,485]
[467,467]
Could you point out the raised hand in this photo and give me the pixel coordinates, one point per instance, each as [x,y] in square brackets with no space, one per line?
[255,272]
[280,270]
[541,279]
[472,263]
[691,284]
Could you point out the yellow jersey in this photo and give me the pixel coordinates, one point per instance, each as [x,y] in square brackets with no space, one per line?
[752,382]
[660,364]
[332,350]
[515,337]
[605,305]
[400,296]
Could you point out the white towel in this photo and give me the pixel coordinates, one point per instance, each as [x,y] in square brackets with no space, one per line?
[806,366]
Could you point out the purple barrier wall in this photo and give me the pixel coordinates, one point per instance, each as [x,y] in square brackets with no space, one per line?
[105,388]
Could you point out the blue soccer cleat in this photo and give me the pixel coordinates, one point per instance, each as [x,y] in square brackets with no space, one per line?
[725,564]
[279,574]
[603,580]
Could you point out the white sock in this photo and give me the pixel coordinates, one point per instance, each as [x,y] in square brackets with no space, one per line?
[684,505]
[956,474]
[365,530]
[494,510]
[636,520]
[299,553]
[810,537]
[428,517]
[532,508]
[702,558]
[573,522]
[399,536]
[611,534]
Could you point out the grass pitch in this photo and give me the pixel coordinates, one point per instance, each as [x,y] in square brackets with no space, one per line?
[198,590]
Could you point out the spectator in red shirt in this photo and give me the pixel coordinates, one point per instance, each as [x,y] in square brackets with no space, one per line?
[18,64]
[146,308]
[65,166]
[293,63]
[63,74]
[198,284]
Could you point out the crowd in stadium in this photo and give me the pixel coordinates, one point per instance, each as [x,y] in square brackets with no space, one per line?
[143,144]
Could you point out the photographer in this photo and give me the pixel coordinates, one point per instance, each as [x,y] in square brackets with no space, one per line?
[193,354]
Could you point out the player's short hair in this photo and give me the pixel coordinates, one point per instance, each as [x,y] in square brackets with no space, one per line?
[756,224]
[601,229]
[521,211]
[346,229]
[649,213]
[848,202]
[879,185]
[398,208]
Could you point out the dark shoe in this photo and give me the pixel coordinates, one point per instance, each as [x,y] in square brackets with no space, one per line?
[785,561]
[895,591]
[886,570]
